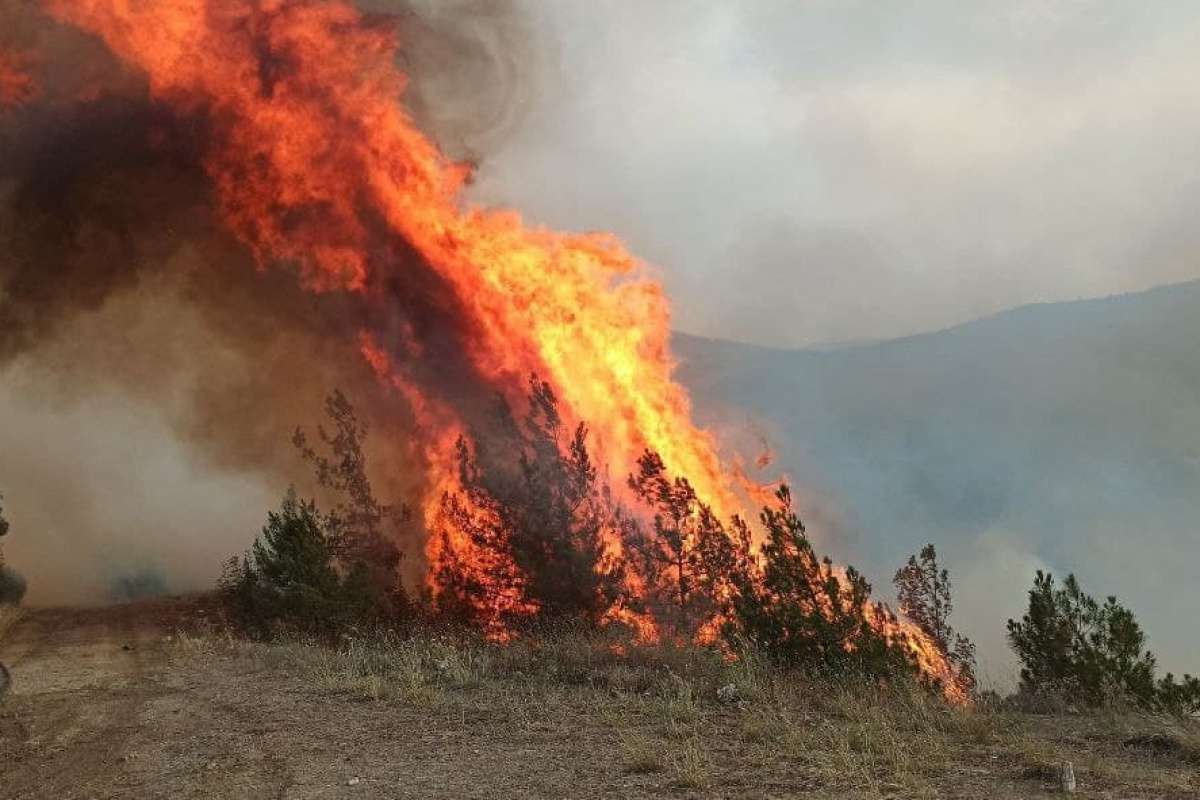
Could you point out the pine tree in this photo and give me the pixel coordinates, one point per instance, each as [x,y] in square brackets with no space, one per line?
[1179,697]
[1072,647]
[539,528]
[807,614]
[362,531]
[290,577]
[923,594]
[687,559]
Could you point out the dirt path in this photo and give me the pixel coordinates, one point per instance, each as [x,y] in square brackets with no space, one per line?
[105,705]
[82,680]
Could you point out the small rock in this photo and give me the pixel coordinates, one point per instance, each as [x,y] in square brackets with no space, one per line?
[1066,778]
[354,782]
[728,693]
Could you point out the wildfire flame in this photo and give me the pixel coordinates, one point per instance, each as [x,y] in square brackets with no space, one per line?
[315,162]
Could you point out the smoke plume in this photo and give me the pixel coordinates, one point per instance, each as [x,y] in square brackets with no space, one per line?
[152,372]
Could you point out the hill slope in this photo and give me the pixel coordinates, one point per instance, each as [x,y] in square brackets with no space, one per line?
[1060,435]
[160,700]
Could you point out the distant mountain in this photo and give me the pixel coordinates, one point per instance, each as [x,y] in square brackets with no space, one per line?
[1061,435]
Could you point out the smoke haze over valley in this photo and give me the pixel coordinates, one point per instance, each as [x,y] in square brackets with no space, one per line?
[1060,436]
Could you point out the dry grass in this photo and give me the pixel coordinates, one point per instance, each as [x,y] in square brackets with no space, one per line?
[690,765]
[439,714]
[641,755]
[658,713]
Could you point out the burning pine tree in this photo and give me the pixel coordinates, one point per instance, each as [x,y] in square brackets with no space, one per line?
[527,534]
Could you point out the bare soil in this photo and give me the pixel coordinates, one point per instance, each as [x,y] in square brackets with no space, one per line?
[115,702]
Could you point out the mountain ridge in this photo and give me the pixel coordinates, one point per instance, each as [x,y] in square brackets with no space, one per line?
[1063,436]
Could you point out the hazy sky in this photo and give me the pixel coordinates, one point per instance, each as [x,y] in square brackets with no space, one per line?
[808,170]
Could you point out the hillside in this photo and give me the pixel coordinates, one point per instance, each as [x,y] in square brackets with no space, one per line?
[157,700]
[1060,435]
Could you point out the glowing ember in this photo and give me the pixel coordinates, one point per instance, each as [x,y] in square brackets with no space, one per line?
[16,85]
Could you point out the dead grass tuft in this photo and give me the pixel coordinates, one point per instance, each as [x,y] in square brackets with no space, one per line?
[641,755]
[690,766]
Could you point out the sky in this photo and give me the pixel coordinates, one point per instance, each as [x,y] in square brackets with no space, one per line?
[800,173]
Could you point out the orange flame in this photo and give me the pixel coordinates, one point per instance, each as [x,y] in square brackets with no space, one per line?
[311,152]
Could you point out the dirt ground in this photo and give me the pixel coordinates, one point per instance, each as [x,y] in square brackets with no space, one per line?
[116,703]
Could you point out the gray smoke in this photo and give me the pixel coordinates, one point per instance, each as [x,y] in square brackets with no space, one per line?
[819,172]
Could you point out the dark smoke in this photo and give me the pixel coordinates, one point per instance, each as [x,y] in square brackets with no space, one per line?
[91,206]
[122,298]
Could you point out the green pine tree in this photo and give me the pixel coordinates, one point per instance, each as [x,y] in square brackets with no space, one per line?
[800,611]
[1072,647]
[290,577]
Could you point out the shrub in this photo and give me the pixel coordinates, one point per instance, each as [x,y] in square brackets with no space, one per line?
[12,584]
[291,579]
[1073,647]
[1179,697]
[923,595]
[806,614]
